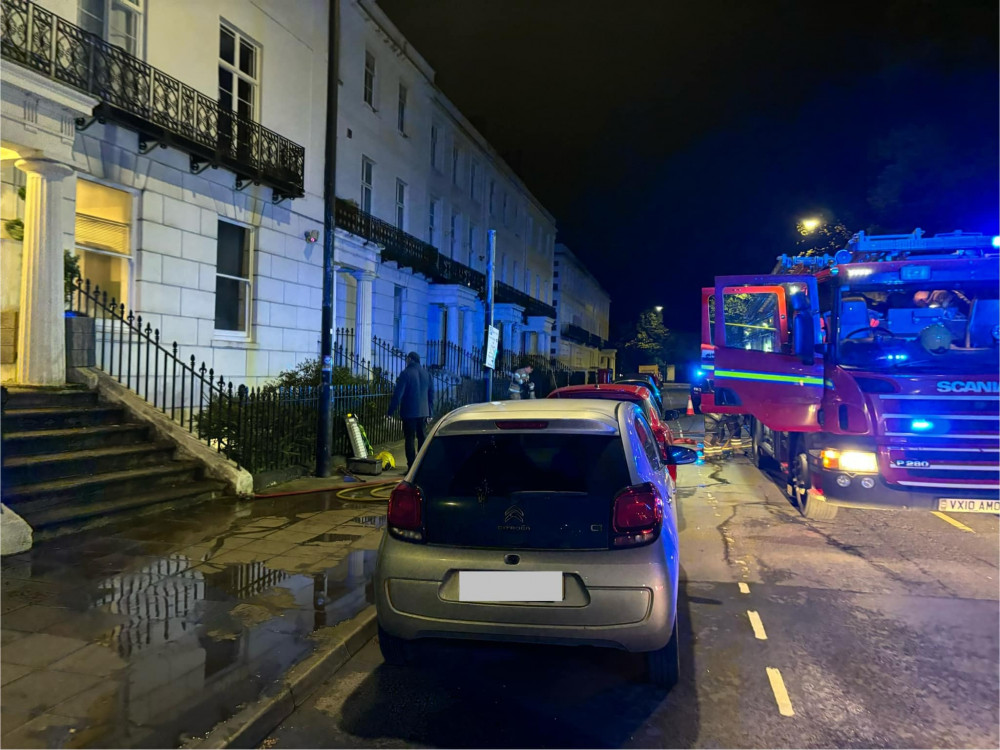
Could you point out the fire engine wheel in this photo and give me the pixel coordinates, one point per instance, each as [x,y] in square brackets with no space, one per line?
[810,505]
[756,456]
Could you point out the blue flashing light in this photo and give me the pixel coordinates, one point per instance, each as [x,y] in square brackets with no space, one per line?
[996,241]
[699,373]
[898,357]
[921,425]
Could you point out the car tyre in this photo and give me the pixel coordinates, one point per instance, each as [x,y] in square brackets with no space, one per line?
[395,651]
[810,504]
[664,665]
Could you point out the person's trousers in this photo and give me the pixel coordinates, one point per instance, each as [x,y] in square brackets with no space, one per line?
[413,427]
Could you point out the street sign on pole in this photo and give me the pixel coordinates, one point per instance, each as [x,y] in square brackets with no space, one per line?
[490,330]
[492,343]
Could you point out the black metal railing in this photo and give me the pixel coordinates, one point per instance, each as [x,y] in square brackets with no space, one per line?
[158,106]
[582,336]
[454,358]
[532,306]
[398,246]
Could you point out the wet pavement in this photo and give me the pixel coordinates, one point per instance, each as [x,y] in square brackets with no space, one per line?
[146,632]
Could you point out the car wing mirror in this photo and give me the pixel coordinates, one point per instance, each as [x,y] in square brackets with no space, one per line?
[681,455]
[671,414]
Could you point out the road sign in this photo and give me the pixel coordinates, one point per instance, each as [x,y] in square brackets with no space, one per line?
[492,342]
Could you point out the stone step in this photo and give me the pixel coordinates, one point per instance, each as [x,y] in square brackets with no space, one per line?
[100,487]
[39,442]
[22,420]
[63,518]
[22,397]
[19,471]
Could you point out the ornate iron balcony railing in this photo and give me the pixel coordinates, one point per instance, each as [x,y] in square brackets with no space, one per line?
[582,336]
[159,107]
[532,306]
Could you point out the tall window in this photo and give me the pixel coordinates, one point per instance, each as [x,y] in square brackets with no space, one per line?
[527,281]
[453,234]
[472,244]
[505,204]
[434,146]
[503,268]
[401,111]
[232,279]
[369,79]
[529,232]
[493,190]
[432,222]
[397,316]
[237,92]
[103,237]
[454,165]
[473,178]
[513,275]
[400,203]
[116,21]
[367,168]
[538,287]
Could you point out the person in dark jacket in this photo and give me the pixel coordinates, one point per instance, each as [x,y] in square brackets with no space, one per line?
[414,398]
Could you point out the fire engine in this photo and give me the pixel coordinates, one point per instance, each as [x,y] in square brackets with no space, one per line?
[869,377]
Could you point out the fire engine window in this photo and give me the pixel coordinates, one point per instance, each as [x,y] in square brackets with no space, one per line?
[752,321]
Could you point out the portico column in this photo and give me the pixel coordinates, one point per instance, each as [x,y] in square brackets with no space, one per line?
[470,335]
[41,336]
[363,316]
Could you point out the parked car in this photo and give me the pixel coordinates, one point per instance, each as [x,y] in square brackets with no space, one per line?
[547,521]
[637,394]
[647,381]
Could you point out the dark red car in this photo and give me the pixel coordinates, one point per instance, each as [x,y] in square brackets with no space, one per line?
[636,394]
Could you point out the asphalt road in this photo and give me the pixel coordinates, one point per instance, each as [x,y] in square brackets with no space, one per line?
[881,627]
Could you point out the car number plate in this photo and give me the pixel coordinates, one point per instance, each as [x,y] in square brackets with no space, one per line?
[510,586]
[969,506]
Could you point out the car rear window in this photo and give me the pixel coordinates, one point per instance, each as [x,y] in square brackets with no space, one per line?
[523,462]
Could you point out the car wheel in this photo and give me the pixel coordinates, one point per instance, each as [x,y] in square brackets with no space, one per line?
[810,504]
[664,665]
[395,651]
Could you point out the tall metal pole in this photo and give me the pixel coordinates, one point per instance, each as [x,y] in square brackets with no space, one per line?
[324,433]
[490,284]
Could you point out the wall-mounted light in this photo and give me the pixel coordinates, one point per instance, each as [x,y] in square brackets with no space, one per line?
[312,235]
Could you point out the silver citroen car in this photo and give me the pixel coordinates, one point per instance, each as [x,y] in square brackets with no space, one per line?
[543,521]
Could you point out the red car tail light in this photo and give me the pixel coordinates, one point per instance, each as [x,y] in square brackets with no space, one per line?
[637,516]
[406,512]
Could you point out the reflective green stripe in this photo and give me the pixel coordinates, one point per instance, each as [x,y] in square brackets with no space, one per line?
[769,377]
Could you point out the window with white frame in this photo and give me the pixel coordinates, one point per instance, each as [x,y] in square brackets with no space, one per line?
[369,79]
[103,238]
[401,111]
[493,190]
[434,146]
[398,298]
[238,90]
[453,234]
[400,203]
[367,171]
[233,279]
[455,154]
[118,22]
[432,222]
[473,179]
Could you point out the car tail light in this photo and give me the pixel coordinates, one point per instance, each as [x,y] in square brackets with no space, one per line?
[637,516]
[406,512]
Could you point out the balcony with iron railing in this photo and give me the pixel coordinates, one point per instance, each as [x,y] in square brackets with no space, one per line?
[582,336]
[160,108]
[532,306]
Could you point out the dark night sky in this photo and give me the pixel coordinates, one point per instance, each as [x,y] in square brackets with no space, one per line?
[676,140]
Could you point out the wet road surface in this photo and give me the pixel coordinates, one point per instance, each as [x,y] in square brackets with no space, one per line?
[879,629]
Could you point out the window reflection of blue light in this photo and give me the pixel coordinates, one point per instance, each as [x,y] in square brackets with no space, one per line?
[921,425]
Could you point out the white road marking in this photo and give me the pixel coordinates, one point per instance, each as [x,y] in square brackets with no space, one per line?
[744,589]
[780,694]
[758,626]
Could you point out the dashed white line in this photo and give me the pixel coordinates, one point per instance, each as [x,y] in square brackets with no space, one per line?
[758,626]
[744,589]
[780,694]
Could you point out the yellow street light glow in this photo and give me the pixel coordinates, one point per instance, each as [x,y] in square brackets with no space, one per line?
[658,308]
[8,153]
[810,225]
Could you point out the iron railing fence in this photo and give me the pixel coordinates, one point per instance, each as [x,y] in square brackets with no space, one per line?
[159,107]
[454,358]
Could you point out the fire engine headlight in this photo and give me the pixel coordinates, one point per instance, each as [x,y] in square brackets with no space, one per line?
[859,462]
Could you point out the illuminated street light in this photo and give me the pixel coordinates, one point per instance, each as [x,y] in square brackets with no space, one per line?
[658,308]
[810,225]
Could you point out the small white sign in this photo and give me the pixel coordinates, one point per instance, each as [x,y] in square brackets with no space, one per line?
[510,586]
[492,342]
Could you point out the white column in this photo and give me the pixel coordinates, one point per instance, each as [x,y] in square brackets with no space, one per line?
[470,336]
[41,335]
[451,332]
[363,316]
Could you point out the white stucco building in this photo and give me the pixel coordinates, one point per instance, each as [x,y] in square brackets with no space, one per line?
[582,313]
[181,159]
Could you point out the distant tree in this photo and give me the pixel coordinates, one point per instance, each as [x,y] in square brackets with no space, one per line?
[646,344]
[826,239]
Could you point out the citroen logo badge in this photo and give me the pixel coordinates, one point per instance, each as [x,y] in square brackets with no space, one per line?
[513,513]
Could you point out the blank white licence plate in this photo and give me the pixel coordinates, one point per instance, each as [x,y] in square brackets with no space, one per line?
[969,506]
[510,586]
